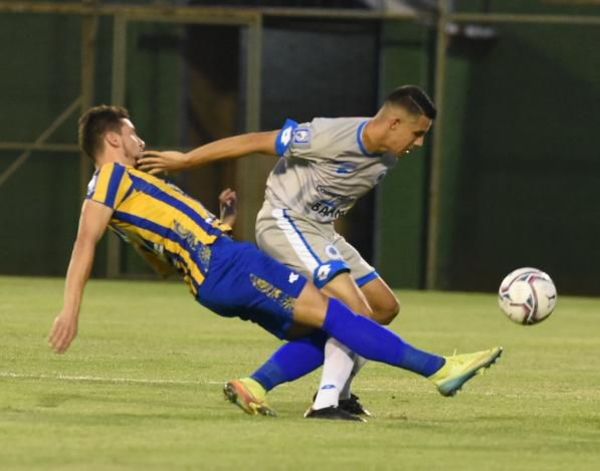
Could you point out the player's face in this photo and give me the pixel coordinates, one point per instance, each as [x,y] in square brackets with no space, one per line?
[407,132]
[133,145]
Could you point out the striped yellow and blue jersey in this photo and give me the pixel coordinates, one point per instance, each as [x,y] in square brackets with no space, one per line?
[158,217]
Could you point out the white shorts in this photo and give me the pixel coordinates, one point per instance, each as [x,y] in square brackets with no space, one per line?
[312,248]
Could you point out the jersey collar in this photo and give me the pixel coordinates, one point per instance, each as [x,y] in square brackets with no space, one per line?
[361,143]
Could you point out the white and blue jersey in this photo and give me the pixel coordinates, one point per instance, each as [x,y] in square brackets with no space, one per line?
[324,168]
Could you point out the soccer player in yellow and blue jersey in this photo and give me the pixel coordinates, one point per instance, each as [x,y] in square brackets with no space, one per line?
[228,277]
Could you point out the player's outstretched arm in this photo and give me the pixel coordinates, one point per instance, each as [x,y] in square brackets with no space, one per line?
[92,225]
[224,149]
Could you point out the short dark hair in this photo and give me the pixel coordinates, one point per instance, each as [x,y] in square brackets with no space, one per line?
[413,99]
[95,123]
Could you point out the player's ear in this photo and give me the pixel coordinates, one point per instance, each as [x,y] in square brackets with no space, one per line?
[112,138]
[395,123]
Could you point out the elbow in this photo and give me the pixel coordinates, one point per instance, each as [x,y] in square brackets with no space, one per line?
[85,243]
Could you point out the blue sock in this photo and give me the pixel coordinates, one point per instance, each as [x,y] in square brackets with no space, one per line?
[370,340]
[292,361]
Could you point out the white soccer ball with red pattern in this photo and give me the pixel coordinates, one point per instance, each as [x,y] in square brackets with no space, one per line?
[527,296]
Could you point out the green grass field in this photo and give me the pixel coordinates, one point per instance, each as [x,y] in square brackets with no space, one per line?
[141,389]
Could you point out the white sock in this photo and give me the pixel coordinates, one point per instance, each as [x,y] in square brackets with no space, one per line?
[359,362]
[336,370]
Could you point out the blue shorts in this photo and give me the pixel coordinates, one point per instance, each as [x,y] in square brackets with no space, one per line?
[244,282]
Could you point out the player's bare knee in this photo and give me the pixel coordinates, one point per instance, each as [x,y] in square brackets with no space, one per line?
[384,313]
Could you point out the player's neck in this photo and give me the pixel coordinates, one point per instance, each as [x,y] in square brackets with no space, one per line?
[111,157]
[370,139]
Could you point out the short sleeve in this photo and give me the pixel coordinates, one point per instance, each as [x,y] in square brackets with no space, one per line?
[294,139]
[309,141]
[284,138]
[109,185]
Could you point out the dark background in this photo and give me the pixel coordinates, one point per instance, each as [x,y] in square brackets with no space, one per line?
[521,176]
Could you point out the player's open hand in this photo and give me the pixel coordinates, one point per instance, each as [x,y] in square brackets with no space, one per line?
[155,162]
[64,330]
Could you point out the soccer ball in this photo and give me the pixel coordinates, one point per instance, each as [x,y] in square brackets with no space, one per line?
[527,296]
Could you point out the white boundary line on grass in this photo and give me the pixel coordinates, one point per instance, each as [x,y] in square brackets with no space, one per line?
[99,379]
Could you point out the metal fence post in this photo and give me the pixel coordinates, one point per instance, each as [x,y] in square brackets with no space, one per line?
[433,223]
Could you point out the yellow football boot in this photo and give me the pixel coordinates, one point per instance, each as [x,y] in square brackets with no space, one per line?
[459,369]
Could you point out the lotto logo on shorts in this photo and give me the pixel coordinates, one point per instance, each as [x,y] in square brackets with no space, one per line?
[293,277]
[323,272]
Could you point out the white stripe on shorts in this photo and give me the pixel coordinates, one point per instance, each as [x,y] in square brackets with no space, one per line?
[296,240]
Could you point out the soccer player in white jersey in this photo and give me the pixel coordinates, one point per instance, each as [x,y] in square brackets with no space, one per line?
[325,165]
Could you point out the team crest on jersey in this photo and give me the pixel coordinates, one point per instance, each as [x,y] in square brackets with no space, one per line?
[333,253]
[302,136]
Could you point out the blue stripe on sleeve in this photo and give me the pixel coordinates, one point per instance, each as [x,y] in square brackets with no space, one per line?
[363,280]
[284,138]
[113,186]
[326,272]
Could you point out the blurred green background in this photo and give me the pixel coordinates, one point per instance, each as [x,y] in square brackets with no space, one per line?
[520,159]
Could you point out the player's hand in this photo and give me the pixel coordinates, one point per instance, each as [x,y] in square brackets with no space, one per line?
[228,206]
[228,198]
[64,331]
[155,162]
